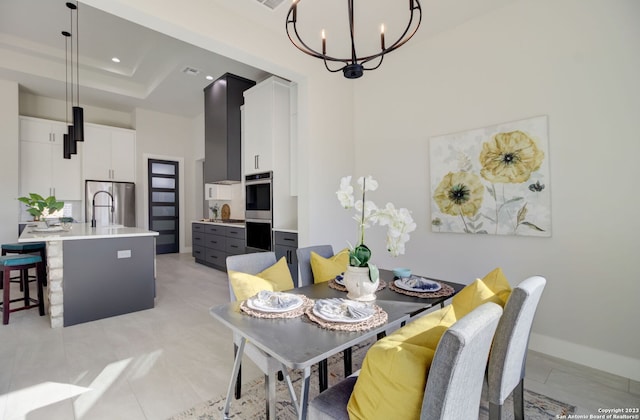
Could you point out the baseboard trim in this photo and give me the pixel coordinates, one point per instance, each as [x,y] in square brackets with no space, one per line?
[616,364]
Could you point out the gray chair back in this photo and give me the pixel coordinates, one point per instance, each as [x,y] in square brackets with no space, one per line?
[250,264]
[304,262]
[454,383]
[509,351]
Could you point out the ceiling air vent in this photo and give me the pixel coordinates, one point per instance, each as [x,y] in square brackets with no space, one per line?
[271,4]
[191,71]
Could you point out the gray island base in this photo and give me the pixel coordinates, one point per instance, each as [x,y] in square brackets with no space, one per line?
[96,273]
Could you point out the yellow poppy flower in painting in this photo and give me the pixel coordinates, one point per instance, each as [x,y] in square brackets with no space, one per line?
[459,194]
[510,158]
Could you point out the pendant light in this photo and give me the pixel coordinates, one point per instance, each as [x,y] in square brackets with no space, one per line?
[77,110]
[67,137]
[354,66]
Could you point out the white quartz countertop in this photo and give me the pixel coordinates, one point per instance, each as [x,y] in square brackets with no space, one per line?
[40,233]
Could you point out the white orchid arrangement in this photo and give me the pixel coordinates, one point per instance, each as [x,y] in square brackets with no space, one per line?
[399,221]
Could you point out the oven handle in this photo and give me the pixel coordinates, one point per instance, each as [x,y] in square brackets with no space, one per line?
[258,182]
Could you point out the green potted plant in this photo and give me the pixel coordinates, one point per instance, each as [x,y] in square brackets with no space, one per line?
[38,205]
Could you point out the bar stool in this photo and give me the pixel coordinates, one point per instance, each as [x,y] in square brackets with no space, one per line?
[20,263]
[28,248]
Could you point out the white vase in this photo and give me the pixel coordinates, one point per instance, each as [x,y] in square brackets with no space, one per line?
[358,284]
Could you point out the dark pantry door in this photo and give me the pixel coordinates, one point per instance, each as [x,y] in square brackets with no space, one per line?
[163,204]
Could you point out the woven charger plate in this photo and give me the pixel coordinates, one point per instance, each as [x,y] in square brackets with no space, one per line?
[335,285]
[445,290]
[379,318]
[294,313]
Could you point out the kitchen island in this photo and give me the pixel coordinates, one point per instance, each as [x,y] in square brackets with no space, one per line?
[96,273]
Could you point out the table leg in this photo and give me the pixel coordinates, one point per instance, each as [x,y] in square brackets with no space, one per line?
[323,375]
[270,393]
[304,395]
[292,392]
[234,375]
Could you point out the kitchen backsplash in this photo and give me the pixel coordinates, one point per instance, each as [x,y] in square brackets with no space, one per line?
[236,204]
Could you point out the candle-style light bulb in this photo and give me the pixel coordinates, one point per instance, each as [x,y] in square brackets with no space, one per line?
[324,43]
[382,36]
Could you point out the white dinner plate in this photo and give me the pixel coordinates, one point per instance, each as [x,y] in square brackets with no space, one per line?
[342,310]
[418,284]
[274,302]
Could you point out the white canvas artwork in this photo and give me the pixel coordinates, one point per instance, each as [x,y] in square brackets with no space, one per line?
[492,180]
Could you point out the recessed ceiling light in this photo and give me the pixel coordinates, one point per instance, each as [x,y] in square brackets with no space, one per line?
[115,59]
[209,77]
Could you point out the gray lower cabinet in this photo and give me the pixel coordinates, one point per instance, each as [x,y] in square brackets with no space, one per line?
[286,244]
[212,244]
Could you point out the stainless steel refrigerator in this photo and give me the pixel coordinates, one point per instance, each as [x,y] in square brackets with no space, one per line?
[110,203]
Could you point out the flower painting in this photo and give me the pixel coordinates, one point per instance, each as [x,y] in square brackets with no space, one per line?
[493,180]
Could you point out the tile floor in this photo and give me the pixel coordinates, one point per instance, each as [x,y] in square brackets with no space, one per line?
[156,363]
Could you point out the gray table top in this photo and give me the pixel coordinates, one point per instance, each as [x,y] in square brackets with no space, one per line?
[299,342]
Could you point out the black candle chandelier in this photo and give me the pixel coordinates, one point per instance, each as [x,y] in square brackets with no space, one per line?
[354,66]
[75,131]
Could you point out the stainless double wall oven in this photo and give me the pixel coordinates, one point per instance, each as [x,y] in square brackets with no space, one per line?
[258,211]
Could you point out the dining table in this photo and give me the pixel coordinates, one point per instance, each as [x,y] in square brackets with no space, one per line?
[297,343]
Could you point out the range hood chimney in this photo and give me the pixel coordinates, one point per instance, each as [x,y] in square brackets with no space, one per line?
[222,129]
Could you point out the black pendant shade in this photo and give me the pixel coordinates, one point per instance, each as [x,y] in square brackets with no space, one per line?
[66,146]
[78,123]
[73,147]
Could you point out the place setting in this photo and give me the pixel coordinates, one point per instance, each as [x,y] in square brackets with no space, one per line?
[345,314]
[268,304]
[409,284]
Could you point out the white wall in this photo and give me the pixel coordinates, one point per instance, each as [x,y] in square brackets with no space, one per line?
[577,62]
[55,109]
[9,130]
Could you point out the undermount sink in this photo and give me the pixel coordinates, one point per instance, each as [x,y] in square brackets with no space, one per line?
[223,220]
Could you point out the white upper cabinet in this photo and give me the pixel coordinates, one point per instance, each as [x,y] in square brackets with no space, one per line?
[109,153]
[43,169]
[267,127]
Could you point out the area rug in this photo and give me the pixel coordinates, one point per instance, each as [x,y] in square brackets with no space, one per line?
[252,404]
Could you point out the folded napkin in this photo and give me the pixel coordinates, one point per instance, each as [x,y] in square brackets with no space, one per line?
[276,300]
[343,308]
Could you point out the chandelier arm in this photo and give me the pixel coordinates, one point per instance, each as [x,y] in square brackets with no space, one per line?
[302,46]
[375,67]
[402,39]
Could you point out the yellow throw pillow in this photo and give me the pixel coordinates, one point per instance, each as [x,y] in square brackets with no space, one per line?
[494,287]
[246,285]
[394,371]
[279,275]
[275,278]
[325,269]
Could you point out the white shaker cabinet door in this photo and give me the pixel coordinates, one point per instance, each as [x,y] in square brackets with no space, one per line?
[66,175]
[35,168]
[123,155]
[97,153]
[258,131]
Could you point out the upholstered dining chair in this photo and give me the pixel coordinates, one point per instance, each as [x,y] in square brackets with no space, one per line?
[455,377]
[253,264]
[505,374]
[305,278]
[304,261]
